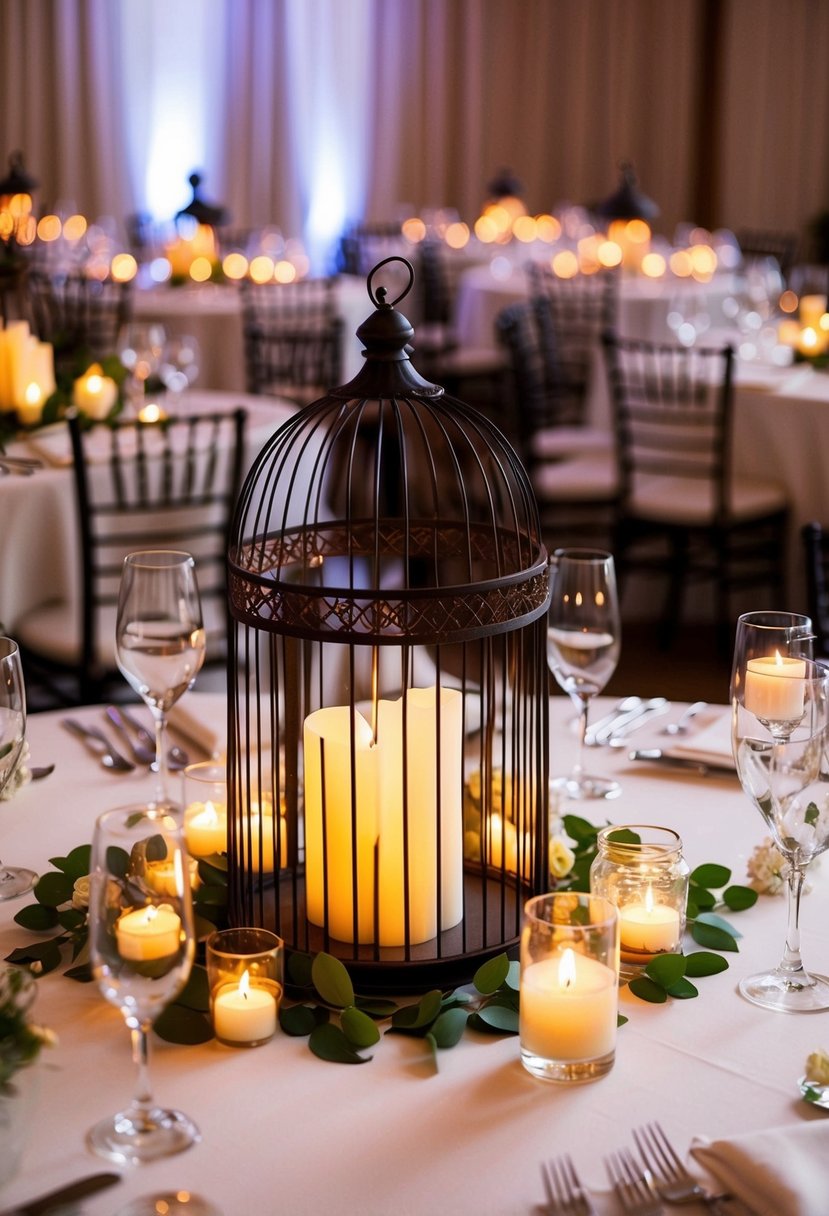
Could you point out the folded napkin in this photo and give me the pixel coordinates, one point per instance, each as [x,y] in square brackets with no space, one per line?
[781,1171]
[711,744]
[201,718]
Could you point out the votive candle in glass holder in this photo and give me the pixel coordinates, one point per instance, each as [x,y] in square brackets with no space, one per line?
[244,973]
[205,808]
[640,869]
[569,986]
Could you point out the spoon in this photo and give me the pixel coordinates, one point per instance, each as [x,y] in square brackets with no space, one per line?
[99,745]
[680,727]
[141,751]
[177,758]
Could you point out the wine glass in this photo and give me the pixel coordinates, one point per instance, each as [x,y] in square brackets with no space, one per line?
[140,345]
[780,728]
[14,880]
[583,641]
[159,635]
[141,946]
[179,366]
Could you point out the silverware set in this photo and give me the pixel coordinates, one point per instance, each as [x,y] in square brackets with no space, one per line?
[640,1185]
[136,739]
[21,466]
[633,712]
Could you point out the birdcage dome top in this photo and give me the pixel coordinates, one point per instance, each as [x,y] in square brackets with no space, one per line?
[387,510]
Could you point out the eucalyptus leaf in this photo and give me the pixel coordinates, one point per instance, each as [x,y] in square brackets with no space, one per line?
[299,969]
[358,1027]
[212,896]
[739,898]
[648,991]
[179,1024]
[702,962]
[621,1020]
[712,937]
[46,955]
[702,897]
[448,1028]
[624,836]
[299,1020]
[202,925]
[719,922]
[491,975]
[37,917]
[76,864]
[811,815]
[580,830]
[213,870]
[454,1000]
[376,1007]
[71,919]
[691,909]
[332,981]
[329,1043]
[711,875]
[53,889]
[682,990]
[82,973]
[666,969]
[495,1019]
[506,998]
[419,1015]
[513,977]
[117,859]
[196,992]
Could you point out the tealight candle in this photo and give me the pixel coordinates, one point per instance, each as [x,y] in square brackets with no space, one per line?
[149,933]
[568,1007]
[151,413]
[94,394]
[649,927]
[162,877]
[774,688]
[244,1014]
[205,828]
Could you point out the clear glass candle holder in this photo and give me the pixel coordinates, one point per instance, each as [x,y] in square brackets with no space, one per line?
[205,808]
[640,869]
[569,986]
[245,976]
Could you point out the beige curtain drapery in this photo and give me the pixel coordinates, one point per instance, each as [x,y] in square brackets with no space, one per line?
[720,104]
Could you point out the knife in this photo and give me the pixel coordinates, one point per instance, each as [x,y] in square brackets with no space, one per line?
[63,1195]
[656,756]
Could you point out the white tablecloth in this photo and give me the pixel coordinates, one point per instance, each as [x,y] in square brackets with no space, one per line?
[212,314]
[38,528]
[284,1131]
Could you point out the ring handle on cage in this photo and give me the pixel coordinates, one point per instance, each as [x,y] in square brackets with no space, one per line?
[378,298]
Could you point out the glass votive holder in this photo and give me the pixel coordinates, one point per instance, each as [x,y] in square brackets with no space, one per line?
[569,986]
[640,869]
[205,808]
[244,973]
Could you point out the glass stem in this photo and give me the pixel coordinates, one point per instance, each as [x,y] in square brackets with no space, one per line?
[160,720]
[584,709]
[142,1100]
[791,963]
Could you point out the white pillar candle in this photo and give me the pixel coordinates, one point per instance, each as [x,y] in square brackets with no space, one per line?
[774,689]
[30,409]
[18,346]
[568,1007]
[257,832]
[811,310]
[205,828]
[434,751]
[148,933]
[340,837]
[243,1013]
[649,927]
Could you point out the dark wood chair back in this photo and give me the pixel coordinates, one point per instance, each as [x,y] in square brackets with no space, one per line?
[292,338]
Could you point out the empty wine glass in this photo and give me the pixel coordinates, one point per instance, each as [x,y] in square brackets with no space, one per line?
[141,945]
[140,345]
[179,365]
[780,727]
[688,313]
[583,641]
[14,880]
[159,635]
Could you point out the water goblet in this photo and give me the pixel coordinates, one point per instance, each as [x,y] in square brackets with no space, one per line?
[780,728]
[140,344]
[179,367]
[141,945]
[159,635]
[583,642]
[14,880]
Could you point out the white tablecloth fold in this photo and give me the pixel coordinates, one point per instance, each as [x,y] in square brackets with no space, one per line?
[781,1171]
[710,744]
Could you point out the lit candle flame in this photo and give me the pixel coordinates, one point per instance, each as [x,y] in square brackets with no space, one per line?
[567,968]
[244,985]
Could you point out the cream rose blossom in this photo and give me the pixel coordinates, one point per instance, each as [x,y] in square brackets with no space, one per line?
[817,1068]
[80,893]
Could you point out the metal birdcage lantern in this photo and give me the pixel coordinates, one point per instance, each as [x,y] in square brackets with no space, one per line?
[388,713]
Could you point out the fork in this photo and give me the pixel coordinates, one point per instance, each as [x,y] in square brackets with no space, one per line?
[680,727]
[565,1194]
[633,1187]
[177,757]
[669,1177]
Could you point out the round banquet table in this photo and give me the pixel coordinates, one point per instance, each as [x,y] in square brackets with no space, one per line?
[285,1131]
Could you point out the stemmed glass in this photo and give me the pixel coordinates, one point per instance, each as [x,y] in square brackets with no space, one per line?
[780,728]
[159,635]
[14,880]
[179,367]
[583,641]
[142,945]
[140,345]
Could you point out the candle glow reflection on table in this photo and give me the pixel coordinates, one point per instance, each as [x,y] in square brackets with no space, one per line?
[774,688]
[568,1007]
[144,934]
[244,1013]
[649,927]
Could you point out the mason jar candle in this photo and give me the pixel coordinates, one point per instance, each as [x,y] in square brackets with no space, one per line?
[245,976]
[640,869]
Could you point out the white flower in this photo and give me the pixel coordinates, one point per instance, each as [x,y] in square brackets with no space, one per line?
[80,893]
[817,1068]
[767,868]
[562,857]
